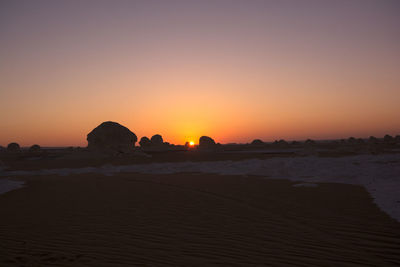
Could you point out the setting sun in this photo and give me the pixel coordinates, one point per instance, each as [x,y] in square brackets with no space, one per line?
[191,143]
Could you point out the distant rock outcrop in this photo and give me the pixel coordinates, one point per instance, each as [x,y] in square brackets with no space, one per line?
[111,136]
[13,147]
[144,142]
[388,139]
[257,142]
[34,148]
[157,140]
[206,142]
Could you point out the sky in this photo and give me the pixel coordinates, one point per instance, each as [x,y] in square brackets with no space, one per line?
[234,70]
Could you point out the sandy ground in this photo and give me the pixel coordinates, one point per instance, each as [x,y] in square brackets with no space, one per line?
[86,159]
[192,220]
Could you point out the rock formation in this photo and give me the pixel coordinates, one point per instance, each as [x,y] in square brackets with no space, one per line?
[34,148]
[280,144]
[145,142]
[388,139]
[309,142]
[111,136]
[13,147]
[206,142]
[157,140]
[257,142]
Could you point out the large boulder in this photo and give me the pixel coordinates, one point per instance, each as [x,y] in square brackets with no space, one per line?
[206,142]
[144,142]
[111,136]
[34,148]
[13,147]
[157,140]
[309,142]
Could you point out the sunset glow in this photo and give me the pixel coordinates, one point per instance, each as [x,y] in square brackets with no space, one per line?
[233,70]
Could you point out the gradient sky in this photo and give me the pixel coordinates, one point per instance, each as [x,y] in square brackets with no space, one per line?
[233,70]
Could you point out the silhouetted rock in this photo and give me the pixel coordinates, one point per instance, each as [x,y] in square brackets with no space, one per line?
[2,148]
[397,138]
[309,142]
[144,142]
[13,147]
[157,140]
[111,136]
[34,148]
[388,139]
[280,144]
[257,142]
[206,142]
[283,142]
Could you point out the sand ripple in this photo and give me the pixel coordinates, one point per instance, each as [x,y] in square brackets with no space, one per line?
[196,220]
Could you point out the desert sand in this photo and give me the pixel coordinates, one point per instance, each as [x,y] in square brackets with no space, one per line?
[192,220]
[199,133]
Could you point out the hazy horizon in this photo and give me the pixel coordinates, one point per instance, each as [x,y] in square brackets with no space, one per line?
[232,70]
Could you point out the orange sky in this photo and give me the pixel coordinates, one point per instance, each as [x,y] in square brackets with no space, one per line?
[235,72]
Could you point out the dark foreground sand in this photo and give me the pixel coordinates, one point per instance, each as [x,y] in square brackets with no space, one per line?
[192,220]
